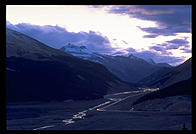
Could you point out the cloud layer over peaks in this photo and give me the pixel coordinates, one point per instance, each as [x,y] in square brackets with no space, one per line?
[58,37]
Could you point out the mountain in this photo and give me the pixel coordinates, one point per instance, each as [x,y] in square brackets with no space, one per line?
[36,72]
[163,65]
[168,76]
[77,51]
[82,52]
[128,68]
[151,61]
[148,58]
[20,45]
[180,88]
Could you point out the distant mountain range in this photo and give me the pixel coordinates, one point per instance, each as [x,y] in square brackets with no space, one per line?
[133,67]
[172,81]
[38,72]
[128,68]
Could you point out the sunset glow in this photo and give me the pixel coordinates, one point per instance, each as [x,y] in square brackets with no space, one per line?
[122,30]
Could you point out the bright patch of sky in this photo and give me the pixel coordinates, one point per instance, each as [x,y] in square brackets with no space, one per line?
[123,30]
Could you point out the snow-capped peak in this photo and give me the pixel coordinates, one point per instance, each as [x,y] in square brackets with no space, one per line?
[79,51]
[82,52]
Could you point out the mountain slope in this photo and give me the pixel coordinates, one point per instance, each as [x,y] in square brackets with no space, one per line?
[168,76]
[127,68]
[180,88]
[38,72]
[28,47]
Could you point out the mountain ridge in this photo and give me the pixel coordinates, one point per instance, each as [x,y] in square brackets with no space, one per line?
[168,76]
[132,68]
[39,72]
[180,88]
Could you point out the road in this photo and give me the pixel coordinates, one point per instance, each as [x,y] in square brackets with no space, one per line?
[113,100]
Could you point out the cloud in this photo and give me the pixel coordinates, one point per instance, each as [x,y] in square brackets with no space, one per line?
[176,43]
[169,15]
[57,37]
[169,31]
[130,50]
[97,6]
[124,42]
[172,44]
[157,48]
[171,19]
[159,58]
[162,49]
[151,12]
[150,36]
[186,50]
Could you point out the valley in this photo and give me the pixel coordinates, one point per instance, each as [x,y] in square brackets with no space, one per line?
[73,88]
[101,114]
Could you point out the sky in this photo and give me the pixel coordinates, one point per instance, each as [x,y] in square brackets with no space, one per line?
[160,32]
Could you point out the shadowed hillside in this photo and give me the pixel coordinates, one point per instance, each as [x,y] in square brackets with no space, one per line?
[38,72]
[180,88]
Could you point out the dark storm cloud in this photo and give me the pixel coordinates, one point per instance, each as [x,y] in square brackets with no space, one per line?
[57,37]
[172,18]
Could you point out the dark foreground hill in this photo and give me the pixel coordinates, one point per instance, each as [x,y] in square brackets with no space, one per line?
[38,72]
[167,76]
[180,88]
